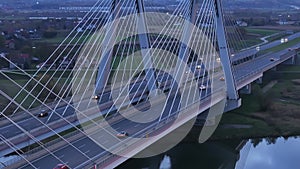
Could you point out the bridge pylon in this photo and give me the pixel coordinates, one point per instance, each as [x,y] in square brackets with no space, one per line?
[109,39]
[145,46]
[233,100]
[104,67]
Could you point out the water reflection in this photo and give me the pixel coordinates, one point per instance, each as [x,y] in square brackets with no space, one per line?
[268,153]
[210,155]
[273,154]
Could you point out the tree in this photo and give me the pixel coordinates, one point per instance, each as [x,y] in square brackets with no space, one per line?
[2,41]
[50,34]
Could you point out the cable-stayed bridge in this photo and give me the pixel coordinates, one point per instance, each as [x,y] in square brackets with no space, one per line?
[131,79]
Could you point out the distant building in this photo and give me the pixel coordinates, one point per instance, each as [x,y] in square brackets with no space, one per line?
[242,23]
[21,60]
[285,22]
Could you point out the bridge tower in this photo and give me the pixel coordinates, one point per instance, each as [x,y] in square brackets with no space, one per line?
[145,45]
[109,39]
[233,100]
[185,38]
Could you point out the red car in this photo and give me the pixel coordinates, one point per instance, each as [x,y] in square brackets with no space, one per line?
[61,166]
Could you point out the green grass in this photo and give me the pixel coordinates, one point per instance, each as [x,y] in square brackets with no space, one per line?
[276,37]
[14,90]
[58,39]
[262,32]
[238,45]
[268,123]
[259,127]
[289,68]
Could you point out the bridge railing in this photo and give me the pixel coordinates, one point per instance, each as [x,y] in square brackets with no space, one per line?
[105,158]
[270,65]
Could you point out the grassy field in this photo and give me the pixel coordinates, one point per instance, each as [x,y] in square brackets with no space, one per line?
[276,37]
[281,117]
[19,89]
[261,32]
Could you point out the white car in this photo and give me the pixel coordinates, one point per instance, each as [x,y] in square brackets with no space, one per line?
[202,87]
[122,134]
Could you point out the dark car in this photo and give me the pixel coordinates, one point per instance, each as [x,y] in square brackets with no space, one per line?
[43,113]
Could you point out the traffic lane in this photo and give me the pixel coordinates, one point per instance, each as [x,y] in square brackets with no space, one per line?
[136,127]
[86,149]
[254,66]
[88,145]
[31,123]
[263,47]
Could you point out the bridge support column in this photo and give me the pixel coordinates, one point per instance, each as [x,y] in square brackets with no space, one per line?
[259,80]
[232,104]
[246,89]
[104,68]
[233,100]
[184,52]
[145,46]
[274,68]
[297,55]
[291,61]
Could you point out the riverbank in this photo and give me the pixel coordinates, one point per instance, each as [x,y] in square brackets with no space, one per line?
[272,110]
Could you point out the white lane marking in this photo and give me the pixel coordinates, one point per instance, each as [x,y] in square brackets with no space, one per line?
[105,142]
[81,146]
[61,156]
[137,125]
[87,152]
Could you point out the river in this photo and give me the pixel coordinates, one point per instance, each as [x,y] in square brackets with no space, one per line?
[267,153]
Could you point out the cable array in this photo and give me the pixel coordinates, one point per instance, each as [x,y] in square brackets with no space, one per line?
[185,66]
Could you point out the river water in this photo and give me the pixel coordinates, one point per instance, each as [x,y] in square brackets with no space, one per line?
[268,153]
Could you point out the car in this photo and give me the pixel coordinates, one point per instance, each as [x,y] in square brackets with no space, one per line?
[198,67]
[272,59]
[222,78]
[61,166]
[290,49]
[43,113]
[122,134]
[202,87]
[95,97]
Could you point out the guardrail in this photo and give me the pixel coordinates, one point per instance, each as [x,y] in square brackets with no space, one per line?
[266,67]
